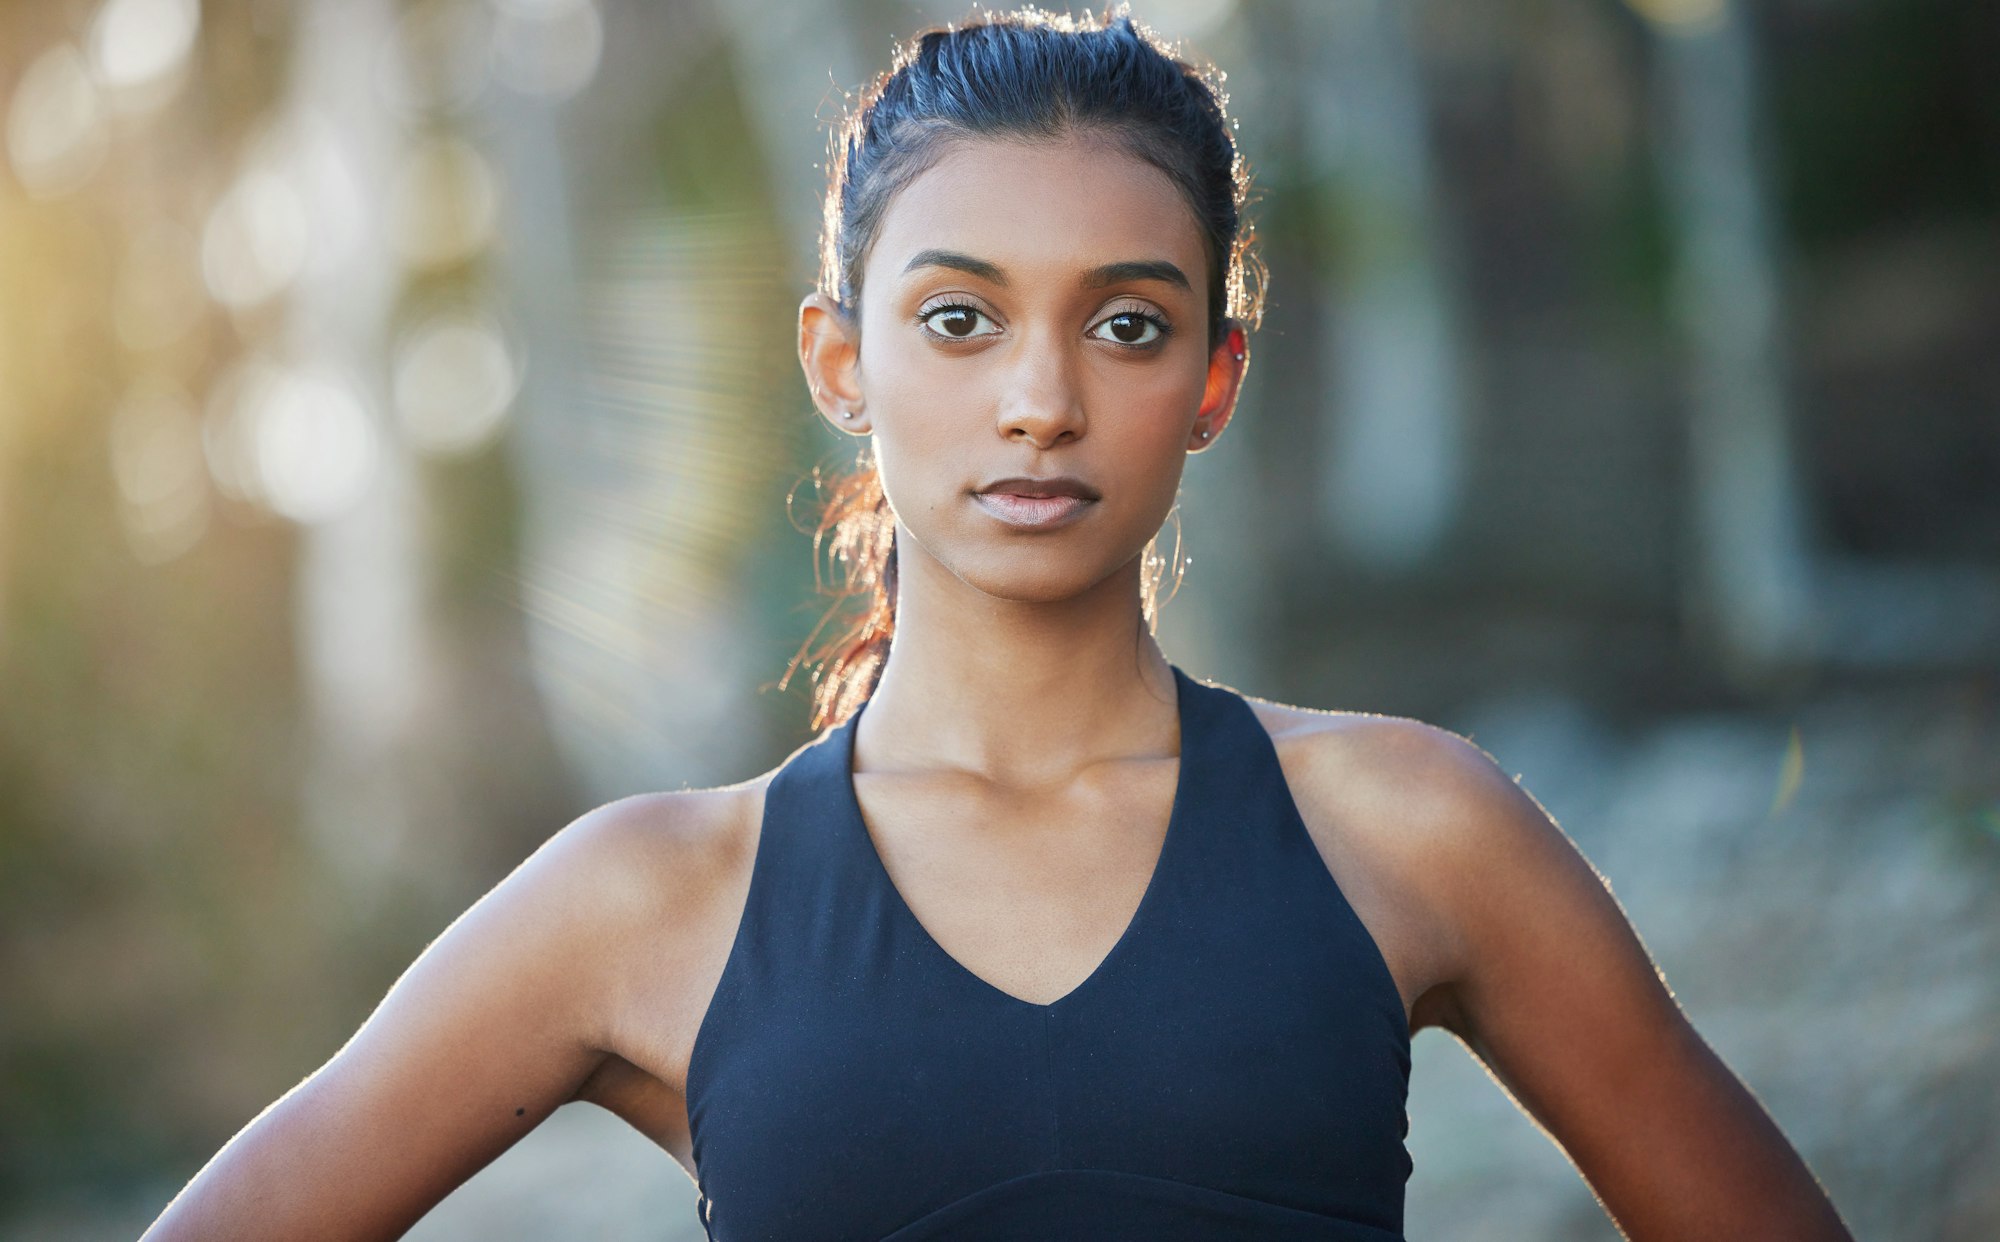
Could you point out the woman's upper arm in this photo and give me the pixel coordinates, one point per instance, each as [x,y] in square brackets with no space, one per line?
[493,1027]
[1553,990]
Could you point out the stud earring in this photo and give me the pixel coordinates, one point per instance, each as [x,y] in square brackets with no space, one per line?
[847,413]
[1204,433]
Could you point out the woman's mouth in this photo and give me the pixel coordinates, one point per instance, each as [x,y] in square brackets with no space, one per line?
[1033,512]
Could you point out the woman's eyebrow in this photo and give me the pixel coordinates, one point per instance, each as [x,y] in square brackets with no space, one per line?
[1107,274]
[1137,269]
[957,262]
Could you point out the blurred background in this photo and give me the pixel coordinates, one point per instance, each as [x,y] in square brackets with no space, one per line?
[398,412]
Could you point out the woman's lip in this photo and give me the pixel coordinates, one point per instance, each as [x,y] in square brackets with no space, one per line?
[1035,512]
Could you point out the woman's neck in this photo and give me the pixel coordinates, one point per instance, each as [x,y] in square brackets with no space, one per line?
[1024,694]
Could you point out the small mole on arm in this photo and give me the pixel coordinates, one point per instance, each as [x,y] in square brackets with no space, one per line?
[519,1112]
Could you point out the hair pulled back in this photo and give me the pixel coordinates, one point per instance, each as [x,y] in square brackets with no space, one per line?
[1025,74]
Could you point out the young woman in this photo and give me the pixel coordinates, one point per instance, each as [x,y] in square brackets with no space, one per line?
[1041,937]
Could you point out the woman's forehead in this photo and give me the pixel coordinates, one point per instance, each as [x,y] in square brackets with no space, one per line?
[1037,209]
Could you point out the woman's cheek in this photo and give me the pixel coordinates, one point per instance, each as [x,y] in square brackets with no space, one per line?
[937,431]
[917,456]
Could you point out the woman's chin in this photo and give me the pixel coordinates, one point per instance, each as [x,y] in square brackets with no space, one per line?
[1045,568]
[1034,575]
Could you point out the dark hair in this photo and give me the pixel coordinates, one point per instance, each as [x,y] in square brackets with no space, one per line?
[1031,74]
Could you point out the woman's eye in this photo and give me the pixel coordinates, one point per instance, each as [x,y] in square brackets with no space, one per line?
[958,322]
[1131,328]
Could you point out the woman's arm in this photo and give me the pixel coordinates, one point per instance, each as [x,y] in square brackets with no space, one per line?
[1553,990]
[493,1027]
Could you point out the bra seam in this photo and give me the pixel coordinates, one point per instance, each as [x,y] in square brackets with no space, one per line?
[1202,1187]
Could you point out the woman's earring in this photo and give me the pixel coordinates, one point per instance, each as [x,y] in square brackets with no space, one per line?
[821,392]
[1204,433]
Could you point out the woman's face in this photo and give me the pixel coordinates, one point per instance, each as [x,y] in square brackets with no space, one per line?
[1034,310]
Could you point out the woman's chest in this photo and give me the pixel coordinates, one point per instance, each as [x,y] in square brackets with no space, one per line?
[1240,1031]
[887,1085]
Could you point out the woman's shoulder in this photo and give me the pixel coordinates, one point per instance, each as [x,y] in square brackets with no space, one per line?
[1399,766]
[663,857]
[1418,790]
[647,850]
[1416,821]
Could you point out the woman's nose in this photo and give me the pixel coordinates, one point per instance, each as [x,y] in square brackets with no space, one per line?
[1042,403]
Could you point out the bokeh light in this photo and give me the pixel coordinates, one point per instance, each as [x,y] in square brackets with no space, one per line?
[454,379]
[317,447]
[56,130]
[139,49]
[444,204]
[256,240]
[297,440]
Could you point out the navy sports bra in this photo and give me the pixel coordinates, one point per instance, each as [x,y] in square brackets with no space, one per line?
[1236,1067]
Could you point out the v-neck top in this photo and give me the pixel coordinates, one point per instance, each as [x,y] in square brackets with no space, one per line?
[1236,1066]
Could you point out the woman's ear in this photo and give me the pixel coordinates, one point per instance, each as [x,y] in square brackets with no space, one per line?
[830,354]
[1227,363]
